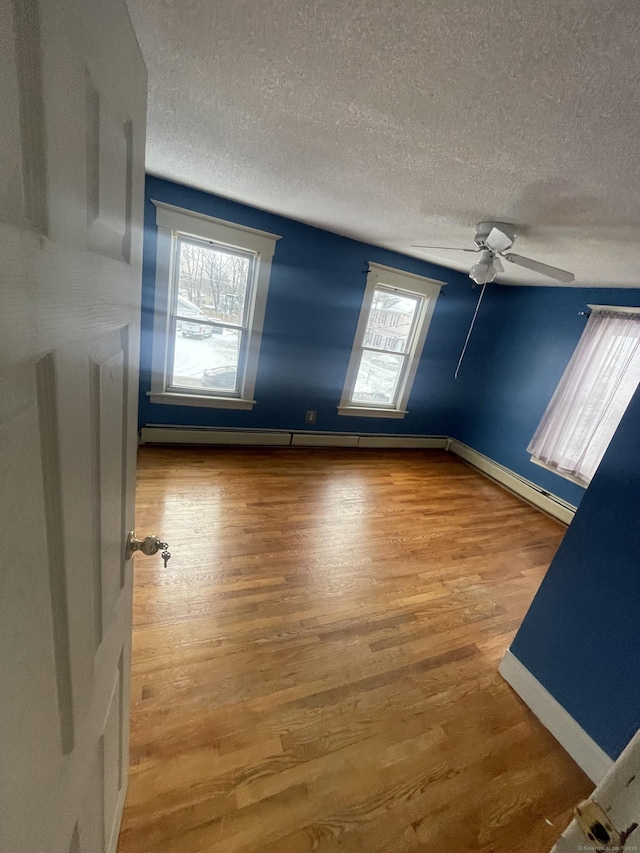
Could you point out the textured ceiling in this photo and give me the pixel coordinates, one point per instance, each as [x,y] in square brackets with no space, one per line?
[405,121]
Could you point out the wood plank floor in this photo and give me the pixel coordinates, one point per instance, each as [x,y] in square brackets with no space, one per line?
[316,667]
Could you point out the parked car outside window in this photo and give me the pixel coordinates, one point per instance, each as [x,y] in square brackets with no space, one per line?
[195,329]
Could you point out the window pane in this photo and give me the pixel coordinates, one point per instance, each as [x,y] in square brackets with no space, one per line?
[390,321]
[208,361]
[214,281]
[377,378]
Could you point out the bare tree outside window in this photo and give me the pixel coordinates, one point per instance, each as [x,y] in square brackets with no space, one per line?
[214,280]
[389,311]
[211,316]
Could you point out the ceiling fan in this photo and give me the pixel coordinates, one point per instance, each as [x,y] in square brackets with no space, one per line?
[492,240]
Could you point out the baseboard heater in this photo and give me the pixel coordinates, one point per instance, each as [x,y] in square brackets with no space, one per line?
[531,492]
[516,483]
[153,434]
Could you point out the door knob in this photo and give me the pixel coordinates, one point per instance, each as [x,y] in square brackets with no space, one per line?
[149,545]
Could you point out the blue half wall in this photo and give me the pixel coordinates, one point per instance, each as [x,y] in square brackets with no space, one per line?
[580,636]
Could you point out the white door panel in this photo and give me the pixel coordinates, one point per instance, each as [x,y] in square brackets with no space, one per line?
[72,100]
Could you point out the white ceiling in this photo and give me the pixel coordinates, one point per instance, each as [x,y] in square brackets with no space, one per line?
[406,121]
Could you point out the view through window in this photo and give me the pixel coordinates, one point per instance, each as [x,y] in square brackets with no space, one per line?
[394,320]
[386,346]
[209,318]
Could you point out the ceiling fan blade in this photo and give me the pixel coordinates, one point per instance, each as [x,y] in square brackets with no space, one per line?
[497,241]
[543,269]
[497,265]
[448,248]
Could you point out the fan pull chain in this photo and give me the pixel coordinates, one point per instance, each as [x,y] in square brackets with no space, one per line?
[464,348]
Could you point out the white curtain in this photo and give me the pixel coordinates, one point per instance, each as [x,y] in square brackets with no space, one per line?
[592,396]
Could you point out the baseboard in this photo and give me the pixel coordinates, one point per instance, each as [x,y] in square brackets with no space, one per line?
[311,439]
[569,734]
[153,434]
[426,442]
[174,435]
[522,487]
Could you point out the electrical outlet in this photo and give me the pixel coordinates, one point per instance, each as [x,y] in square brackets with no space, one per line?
[311,417]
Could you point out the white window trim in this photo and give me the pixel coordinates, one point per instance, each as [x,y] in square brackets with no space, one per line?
[409,283]
[562,474]
[618,309]
[173,220]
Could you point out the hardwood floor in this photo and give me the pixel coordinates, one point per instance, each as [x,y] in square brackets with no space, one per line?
[316,667]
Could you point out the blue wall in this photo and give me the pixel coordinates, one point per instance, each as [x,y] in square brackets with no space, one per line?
[315,295]
[521,344]
[580,637]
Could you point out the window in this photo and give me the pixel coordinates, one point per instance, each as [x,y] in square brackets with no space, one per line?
[382,366]
[211,288]
[592,395]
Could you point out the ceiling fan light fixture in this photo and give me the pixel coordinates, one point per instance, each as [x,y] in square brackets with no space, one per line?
[493,239]
[484,271]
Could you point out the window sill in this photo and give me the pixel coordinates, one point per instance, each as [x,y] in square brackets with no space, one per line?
[562,474]
[364,412]
[171,398]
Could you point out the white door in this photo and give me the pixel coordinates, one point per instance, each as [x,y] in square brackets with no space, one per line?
[72,127]
[610,818]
